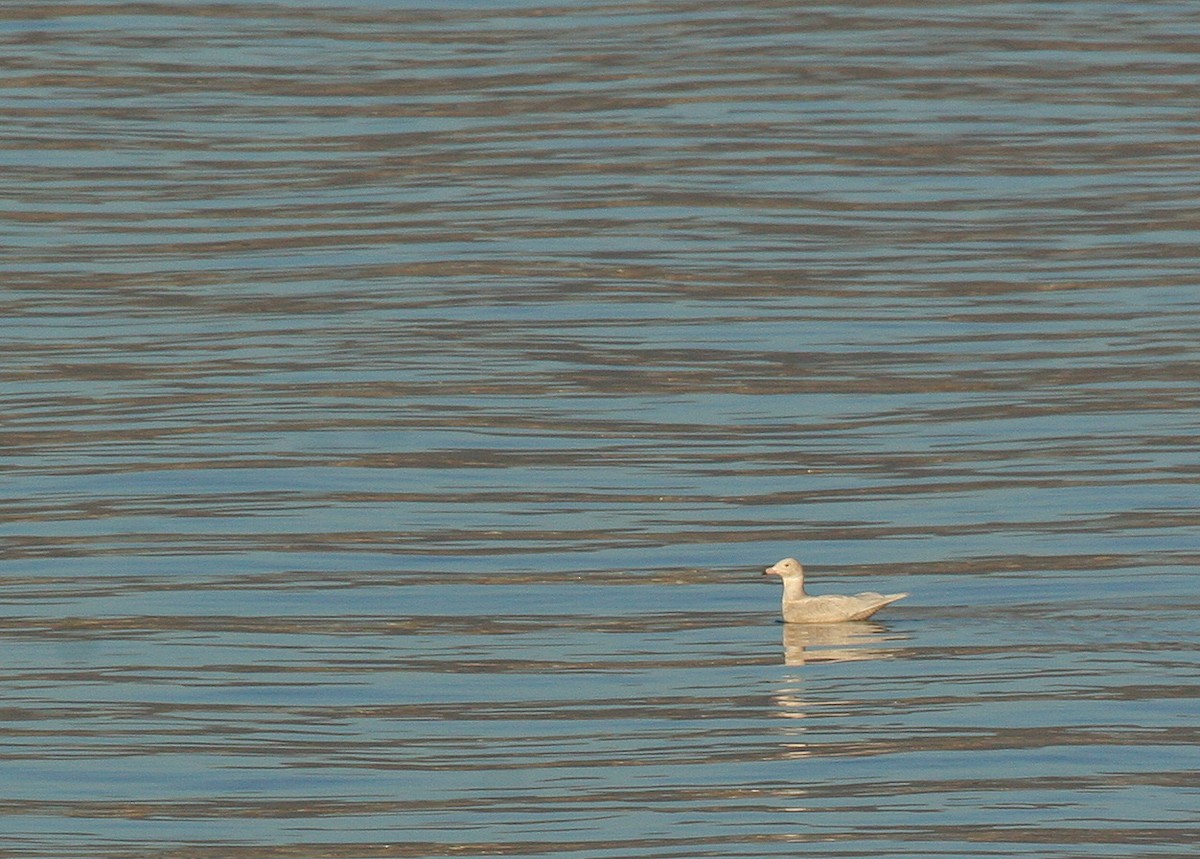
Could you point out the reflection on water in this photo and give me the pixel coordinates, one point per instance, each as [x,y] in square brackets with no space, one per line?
[815,643]
[836,642]
[398,401]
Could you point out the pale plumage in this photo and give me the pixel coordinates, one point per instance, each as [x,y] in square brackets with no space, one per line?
[799,607]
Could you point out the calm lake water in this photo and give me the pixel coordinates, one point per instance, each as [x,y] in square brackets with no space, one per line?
[401,401]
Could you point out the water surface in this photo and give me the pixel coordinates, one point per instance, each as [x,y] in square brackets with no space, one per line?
[401,402]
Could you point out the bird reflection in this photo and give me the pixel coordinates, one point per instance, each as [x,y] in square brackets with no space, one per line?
[805,643]
[835,642]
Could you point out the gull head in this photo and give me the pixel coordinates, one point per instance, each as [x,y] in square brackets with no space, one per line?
[787,568]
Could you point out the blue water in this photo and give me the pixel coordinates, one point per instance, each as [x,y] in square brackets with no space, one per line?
[401,403]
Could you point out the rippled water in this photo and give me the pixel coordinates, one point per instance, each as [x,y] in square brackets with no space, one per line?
[401,402]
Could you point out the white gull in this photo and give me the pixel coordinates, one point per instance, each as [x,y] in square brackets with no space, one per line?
[799,607]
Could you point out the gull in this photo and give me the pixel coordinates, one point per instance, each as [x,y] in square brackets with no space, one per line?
[799,607]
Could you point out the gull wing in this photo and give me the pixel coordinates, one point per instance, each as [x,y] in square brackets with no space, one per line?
[836,608]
